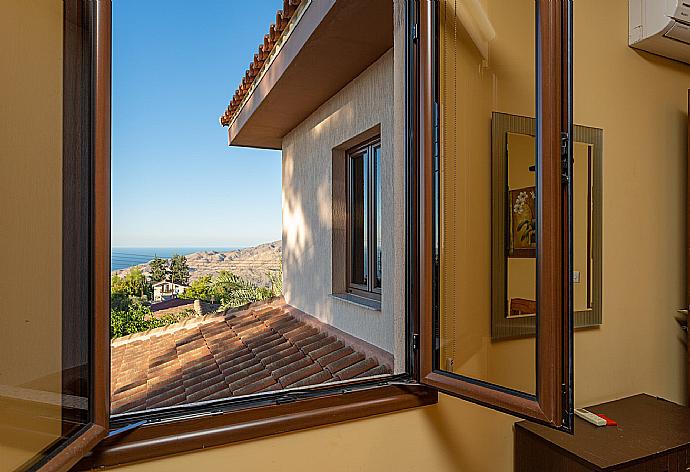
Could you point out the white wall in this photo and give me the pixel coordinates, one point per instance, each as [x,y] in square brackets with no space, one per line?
[307,209]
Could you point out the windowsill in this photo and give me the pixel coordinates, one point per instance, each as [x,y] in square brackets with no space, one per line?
[374,305]
[192,434]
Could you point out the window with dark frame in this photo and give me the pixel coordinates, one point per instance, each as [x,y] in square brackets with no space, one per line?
[364,219]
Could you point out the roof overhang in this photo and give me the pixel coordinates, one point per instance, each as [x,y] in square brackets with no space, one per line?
[332,43]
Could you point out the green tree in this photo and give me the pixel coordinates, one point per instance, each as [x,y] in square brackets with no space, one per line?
[201,289]
[179,270]
[133,284]
[159,269]
[234,291]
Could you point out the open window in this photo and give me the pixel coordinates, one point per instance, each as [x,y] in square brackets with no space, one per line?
[472,65]
[54,404]
[462,67]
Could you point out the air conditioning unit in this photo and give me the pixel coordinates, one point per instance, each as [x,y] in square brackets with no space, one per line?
[661,27]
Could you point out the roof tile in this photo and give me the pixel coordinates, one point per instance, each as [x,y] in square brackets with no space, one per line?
[275,31]
[258,349]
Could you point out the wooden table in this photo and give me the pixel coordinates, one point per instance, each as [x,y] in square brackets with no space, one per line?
[652,435]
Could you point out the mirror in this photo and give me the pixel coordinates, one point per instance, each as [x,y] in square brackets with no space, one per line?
[514,304]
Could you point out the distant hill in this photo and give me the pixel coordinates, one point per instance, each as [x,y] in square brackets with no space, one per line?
[251,263]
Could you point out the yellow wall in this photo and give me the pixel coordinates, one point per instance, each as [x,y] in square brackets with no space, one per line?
[30,214]
[640,101]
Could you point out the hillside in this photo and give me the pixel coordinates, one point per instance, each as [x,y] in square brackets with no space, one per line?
[251,263]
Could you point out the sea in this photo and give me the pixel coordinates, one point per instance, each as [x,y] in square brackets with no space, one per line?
[124,257]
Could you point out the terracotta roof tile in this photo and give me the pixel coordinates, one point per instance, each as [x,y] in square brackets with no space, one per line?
[335,355]
[275,31]
[343,362]
[258,349]
[356,369]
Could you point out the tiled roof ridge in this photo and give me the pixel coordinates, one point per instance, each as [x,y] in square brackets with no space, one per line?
[270,40]
[195,321]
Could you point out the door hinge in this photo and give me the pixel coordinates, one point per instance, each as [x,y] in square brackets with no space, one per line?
[415,342]
[565,145]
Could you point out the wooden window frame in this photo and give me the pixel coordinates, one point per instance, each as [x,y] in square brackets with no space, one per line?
[553,402]
[86,232]
[369,290]
[190,428]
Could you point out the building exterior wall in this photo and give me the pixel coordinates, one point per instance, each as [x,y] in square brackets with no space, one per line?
[363,104]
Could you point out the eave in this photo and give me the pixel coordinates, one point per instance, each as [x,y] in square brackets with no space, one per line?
[332,43]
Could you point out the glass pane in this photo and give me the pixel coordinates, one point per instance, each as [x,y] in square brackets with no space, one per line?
[377,182]
[359,173]
[487,193]
[42,388]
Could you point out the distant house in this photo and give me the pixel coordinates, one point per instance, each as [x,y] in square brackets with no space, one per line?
[165,290]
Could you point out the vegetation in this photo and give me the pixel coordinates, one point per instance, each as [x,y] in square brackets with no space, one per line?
[129,310]
[159,269]
[231,290]
[130,295]
[135,317]
[200,289]
[133,284]
[179,270]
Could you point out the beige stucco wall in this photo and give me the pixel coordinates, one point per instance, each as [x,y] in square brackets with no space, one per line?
[641,103]
[30,218]
[307,209]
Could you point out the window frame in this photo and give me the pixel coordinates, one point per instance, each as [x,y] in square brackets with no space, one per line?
[85,228]
[146,436]
[553,403]
[368,147]
[185,429]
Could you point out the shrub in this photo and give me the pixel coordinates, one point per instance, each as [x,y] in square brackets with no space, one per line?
[135,318]
[201,289]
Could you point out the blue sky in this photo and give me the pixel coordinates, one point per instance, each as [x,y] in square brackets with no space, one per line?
[175,181]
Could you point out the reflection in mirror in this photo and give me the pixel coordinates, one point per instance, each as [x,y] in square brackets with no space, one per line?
[521,260]
[514,249]
[582,226]
[476,78]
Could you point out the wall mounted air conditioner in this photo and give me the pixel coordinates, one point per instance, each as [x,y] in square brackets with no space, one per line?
[661,27]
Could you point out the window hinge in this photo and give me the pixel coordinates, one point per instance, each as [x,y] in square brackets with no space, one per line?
[565,144]
[415,342]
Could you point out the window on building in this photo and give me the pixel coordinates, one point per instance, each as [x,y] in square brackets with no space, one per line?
[364,219]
